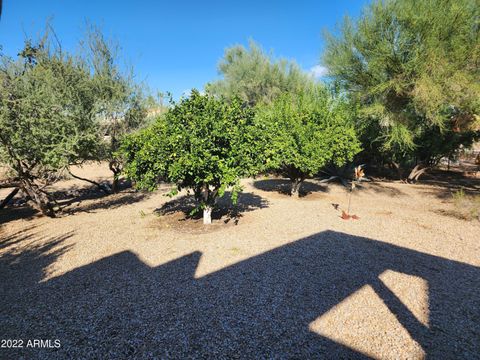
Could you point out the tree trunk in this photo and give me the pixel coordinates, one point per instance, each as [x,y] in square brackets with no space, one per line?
[416,172]
[115,184]
[207,215]
[116,170]
[296,184]
[40,199]
[397,167]
[207,199]
[9,197]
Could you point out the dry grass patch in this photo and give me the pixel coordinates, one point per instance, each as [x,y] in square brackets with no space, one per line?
[467,207]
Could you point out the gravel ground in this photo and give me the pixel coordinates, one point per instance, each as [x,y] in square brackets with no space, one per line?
[126,276]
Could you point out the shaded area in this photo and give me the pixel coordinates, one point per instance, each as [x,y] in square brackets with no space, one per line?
[104,202]
[10,213]
[224,208]
[77,194]
[261,307]
[379,188]
[283,186]
[447,182]
[465,207]
[24,260]
[76,199]
[16,238]
[462,214]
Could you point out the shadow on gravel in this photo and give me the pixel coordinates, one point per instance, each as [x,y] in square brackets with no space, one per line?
[104,202]
[262,307]
[15,213]
[24,262]
[380,188]
[283,186]
[448,182]
[73,200]
[224,209]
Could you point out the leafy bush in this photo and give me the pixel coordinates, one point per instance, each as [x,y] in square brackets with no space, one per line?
[305,132]
[202,143]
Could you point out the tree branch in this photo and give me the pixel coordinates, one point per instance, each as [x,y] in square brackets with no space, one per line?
[9,197]
[104,188]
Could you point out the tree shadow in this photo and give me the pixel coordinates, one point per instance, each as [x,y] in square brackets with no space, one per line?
[224,208]
[104,202]
[283,186]
[77,194]
[448,182]
[16,238]
[76,199]
[24,259]
[11,213]
[380,188]
[261,307]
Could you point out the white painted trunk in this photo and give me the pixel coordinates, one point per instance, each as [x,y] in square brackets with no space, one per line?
[207,215]
[295,192]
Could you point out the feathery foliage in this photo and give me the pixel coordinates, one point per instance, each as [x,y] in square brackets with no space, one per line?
[46,116]
[119,102]
[413,66]
[254,76]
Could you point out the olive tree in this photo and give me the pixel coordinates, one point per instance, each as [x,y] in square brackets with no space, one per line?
[304,132]
[202,143]
[46,117]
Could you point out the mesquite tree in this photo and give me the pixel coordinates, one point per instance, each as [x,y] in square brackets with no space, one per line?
[255,76]
[412,66]
[201,143]
[119,103]
[46,117]
[304,132]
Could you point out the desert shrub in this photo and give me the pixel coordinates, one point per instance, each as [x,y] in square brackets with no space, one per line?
[467,207]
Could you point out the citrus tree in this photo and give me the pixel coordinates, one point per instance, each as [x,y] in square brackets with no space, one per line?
[305,132]
[201,143]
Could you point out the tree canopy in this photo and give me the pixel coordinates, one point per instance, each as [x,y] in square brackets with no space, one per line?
[58,109]
[119,102]
[306,131]
[413,68]
[255,76]
[46,116]
[201,143]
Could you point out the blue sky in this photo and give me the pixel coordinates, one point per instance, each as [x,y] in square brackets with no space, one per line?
[176,45]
